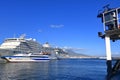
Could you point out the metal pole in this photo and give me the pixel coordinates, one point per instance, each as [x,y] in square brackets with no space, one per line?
[104,27]
[108,57]
[108,48]
[117,18]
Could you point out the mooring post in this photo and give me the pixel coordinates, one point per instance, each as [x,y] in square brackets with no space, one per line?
[108,57]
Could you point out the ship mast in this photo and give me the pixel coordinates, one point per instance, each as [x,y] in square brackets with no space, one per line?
[23,36]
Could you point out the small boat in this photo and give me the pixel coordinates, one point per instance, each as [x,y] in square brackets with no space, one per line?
[26,58]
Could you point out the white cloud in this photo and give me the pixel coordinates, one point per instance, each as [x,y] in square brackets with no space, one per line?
[40,31]
[57,26]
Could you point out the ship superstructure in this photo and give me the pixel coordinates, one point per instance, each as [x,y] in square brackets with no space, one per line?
[12,46]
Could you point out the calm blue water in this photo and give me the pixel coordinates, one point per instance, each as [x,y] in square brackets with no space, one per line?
[68,69]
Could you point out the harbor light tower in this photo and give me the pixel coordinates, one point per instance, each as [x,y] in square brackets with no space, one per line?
[110,18]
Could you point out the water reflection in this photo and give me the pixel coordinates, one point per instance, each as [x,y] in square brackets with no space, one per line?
[23,71]
[54,70]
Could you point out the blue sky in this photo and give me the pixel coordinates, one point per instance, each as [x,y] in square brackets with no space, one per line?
[62,23]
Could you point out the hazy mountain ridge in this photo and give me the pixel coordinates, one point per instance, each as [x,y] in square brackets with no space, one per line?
[72,54]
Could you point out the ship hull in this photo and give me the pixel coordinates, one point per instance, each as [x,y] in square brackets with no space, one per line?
[25,58]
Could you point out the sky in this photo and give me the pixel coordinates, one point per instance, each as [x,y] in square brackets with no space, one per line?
[62,23]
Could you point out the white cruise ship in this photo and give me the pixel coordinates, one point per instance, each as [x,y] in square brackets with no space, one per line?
[21,45]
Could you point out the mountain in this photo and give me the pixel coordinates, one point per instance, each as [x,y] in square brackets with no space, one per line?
[72,54]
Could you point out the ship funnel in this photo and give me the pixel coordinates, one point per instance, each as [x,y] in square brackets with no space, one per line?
[46,45]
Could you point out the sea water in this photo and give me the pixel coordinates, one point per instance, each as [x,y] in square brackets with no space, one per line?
[65,69]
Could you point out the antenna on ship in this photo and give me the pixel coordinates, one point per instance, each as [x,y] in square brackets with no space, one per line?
[14,35]
[110,19]
[23,36]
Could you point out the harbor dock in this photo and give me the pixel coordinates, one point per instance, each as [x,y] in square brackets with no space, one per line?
[111,23]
